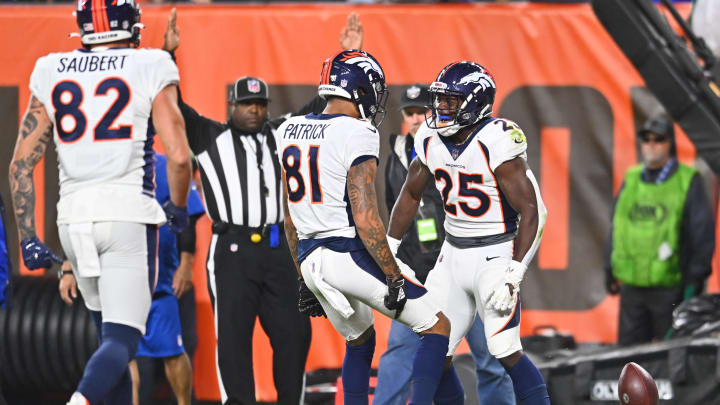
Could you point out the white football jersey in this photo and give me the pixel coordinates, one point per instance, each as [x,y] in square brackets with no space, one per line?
[464,174]
[316,152]
[100,103]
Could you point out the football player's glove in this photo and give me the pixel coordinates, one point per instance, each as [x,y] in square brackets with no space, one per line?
[308,303]
[396,297]
[177,217]
[36,255]
[505,296]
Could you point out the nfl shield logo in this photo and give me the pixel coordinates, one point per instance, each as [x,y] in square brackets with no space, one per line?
[413,92]
[253,86]
[343,83]
[455,154]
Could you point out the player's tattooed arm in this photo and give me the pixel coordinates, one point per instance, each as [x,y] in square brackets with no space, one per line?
[517,183]
[35,133]
[406,206]
[363,201]
[290,230]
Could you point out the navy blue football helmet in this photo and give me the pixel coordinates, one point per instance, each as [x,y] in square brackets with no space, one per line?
[462,94]
[357,76]
[103,21]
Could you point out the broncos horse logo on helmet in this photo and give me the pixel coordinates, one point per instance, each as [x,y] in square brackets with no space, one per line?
[103,21]
[462,94]
[357,76]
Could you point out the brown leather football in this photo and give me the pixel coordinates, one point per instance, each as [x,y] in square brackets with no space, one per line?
[636,386]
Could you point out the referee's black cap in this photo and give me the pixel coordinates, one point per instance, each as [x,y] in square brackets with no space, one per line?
[248,88]
[417,95]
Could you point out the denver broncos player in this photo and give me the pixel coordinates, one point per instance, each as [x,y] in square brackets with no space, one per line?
[335,233]
[494,216]
[99,105]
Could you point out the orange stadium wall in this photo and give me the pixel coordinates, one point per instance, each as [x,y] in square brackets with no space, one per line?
[559,75]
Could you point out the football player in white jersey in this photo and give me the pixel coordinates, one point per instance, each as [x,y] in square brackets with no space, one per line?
[494,216]
[335,233]
[99,105]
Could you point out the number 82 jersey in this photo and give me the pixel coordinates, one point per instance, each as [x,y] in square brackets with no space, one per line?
[100,104]
[475,206]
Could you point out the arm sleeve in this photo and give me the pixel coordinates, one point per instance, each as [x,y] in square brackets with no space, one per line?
[314,106]
[199,129]
[186,239]
[39,82]
[698,233]
[389,197]
[363,141]
[508,142]
[419,142]
[164,73]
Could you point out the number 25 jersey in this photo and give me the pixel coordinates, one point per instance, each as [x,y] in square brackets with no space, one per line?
[475,206]
[100,104]
[316,152]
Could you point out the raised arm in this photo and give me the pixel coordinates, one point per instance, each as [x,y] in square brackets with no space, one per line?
[170,127]
[35,133]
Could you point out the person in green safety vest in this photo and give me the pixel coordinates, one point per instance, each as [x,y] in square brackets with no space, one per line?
[661,239]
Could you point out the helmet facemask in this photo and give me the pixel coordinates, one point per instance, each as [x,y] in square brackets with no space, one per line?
[448,111]
[378,111]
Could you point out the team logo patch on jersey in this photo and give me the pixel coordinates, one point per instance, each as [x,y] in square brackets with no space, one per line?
[517,136]
[253,86]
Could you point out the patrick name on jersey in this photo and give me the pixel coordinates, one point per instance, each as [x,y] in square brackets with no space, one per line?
[305,131]
[90,63]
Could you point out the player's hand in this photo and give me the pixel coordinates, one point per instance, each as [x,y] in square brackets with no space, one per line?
[505,297]
[177,217]
[351,37]
[68,287]
[182,280]
[36,255]
[308,303]
[172,33]
[396,297]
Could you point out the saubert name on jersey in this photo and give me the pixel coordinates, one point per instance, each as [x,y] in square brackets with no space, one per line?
[91,63]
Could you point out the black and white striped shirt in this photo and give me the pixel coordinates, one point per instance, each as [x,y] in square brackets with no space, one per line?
[230,171]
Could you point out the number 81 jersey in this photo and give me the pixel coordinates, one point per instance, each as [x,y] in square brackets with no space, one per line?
[475,206]
[316,152]
[100,104]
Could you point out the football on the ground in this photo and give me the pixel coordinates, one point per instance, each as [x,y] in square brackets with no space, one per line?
[636,386]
